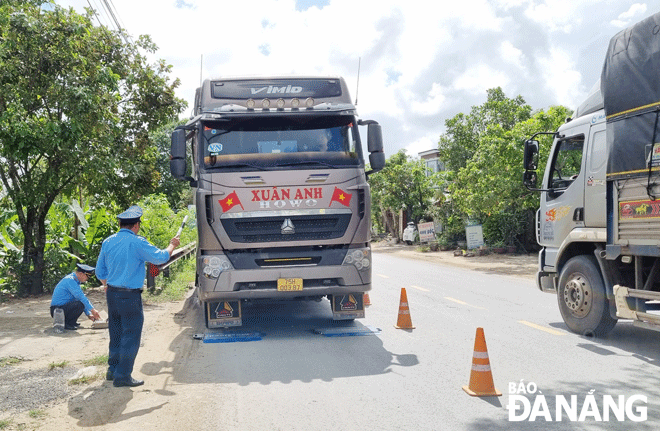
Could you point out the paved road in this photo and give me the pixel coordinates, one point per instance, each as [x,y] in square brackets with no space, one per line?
[295,379]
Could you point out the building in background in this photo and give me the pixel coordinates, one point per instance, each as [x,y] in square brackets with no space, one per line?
[432,161]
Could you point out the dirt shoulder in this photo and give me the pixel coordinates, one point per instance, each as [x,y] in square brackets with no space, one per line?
[37,365]
[35,388]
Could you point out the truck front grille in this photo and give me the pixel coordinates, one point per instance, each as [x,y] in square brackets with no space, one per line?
[299,228]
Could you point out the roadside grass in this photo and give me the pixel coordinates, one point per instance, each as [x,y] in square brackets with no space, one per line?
[5,423]
[86,379]
[37,414]
[174,288]
[54,365]
[9,360]
[97,360]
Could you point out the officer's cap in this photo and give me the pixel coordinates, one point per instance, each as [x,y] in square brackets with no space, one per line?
[131,215]
[85,268]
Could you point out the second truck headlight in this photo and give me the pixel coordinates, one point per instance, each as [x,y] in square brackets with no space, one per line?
[358,257]
[212,266]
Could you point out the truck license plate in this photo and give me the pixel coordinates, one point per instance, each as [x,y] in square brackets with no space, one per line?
[289,284]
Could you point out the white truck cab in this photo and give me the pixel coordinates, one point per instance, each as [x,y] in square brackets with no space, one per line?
[598,222]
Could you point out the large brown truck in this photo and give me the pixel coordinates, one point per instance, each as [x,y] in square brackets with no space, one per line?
[283,203]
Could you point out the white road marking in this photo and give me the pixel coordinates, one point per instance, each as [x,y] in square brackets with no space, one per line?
[458,301]
[541,328]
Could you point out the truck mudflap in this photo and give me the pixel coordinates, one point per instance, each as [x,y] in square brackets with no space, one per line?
[348,306]
[641,319]
[222,314]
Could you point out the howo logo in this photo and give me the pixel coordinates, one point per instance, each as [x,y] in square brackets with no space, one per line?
[277,90]
[287,227]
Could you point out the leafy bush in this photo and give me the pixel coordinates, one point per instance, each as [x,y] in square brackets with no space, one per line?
[505,228]
[75,233]
[160,223]
[74,236]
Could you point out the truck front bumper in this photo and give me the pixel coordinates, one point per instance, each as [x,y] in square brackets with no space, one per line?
[262,283]
[546,281]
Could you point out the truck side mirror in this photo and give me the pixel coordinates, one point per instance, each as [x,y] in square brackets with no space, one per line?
[530,179]
[375,147]
[531,155]
[376,161]
[375,138]
[178,154]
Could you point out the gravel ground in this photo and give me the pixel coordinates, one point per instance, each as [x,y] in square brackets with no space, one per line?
[22,390]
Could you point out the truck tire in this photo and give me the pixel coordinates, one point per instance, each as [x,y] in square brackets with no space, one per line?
[583,302]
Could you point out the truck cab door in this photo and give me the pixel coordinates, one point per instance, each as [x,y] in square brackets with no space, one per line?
[595,189]
[562,207]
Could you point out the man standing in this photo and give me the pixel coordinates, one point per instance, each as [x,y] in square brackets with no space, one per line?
[121,269]
[68,296]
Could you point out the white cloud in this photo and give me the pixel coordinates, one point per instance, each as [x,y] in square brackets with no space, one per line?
[636,10]
[511,54]
[420,65]
[433,103]
[561,15]
[424,143]
[479,78]
[561,78]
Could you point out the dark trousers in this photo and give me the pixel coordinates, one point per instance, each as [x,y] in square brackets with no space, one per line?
[72,311]
[125,327]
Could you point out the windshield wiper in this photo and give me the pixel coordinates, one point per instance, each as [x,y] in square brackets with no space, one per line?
[308,162]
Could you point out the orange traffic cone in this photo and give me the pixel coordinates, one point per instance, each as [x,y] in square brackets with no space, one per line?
[365,299]
[481,378]
[404,321]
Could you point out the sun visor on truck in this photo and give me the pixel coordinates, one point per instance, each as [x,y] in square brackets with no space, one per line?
[630,83]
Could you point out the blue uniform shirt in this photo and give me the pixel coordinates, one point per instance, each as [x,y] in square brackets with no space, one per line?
[122,259]
[67,290]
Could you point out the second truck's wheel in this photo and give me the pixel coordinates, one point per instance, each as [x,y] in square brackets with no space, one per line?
[583,302]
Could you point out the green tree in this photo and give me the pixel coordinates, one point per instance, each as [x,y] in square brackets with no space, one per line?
[77,104]
[464,131]
[403,184]
[491,181]
[179,193]
[483,151]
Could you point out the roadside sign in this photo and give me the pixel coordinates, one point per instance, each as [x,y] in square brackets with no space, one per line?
[475,236]
[426,232]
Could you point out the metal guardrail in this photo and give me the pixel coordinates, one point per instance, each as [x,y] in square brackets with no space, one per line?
[154,270]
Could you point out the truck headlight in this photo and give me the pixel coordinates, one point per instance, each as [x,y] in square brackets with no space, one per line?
[358,257]
[212,266]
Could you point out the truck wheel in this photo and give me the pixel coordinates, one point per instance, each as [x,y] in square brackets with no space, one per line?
[408,242]
[583,302]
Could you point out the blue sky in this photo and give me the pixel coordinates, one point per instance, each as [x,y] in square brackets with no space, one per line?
[421,63]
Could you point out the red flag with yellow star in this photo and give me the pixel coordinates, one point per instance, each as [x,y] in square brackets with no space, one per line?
[230,202]
[341,196]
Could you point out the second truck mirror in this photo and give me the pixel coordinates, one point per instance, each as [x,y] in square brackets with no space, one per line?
[377,161]
[530,179]
[178,154]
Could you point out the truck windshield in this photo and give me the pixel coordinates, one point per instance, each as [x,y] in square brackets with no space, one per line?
[281,143]
[567,163]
